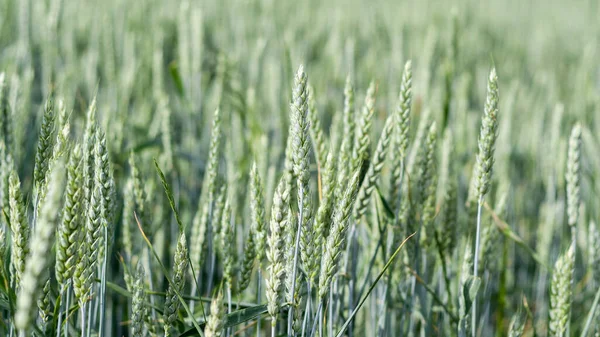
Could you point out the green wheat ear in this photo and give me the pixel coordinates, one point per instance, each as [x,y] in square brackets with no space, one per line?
[517,324]
[399,147]
[172,302]
[45,145]
[275,252]
[573,175]
[561,293]
[20,231]
[374,172]
[300,125]
[228,243]
[362,139]
[201,219]
[257,207]
[138,303]
[36,267]
[6,120]
[316,131]
[89,141]
[487,138]
[322,220]
[347,138]
[216,320]
[427,183]
[248,261]
[70,228]
[334,244]
[302,248]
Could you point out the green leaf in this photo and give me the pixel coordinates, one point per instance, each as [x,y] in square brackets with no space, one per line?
[169,193]
[386,206]
[174,71]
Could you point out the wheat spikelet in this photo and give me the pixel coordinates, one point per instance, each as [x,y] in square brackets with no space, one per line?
[19,229]
[89,138]
[215,323]
[560,293]
[322,221]
[138,306]
[347,137]
[45,144]
[316,131]
[275,252]
[247,263]
[487,138]
[362,139]
[572,175]
[335,240]
[228,244]
[517,324]
[201,219]
[180,265]
[257,206]
[372,177]
[400,136]
[69,229]
[36,267]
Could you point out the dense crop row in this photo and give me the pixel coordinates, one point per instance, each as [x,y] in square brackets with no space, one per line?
[277,168]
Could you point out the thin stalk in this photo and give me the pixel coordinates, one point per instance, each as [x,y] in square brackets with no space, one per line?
[213,263]
[103,285]
[321,319]
[83,320]
[574,244]
[423,291]
[150,282]
[330,307]
[340,294]
[592,313]
[306,314]
[59,323]
[228,308]
[68,303]
[476,264]
[413,287]
[387,298]
[94,315]
[258,291]
[88,332]
[318,315]
[351,283]
[193,293]
[295,266]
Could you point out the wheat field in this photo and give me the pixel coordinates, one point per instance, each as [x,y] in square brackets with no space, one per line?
[299,168]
